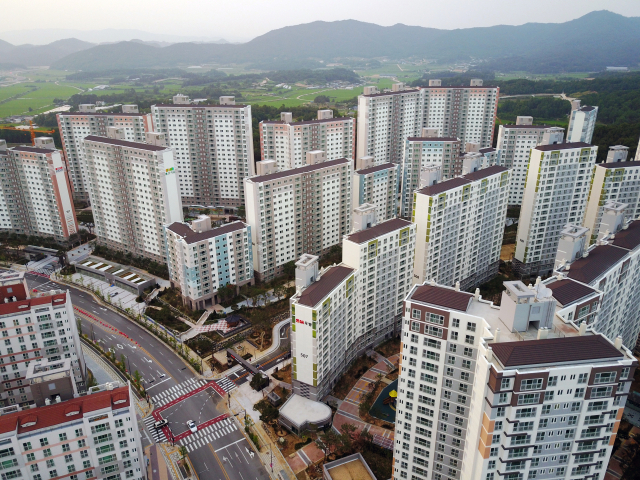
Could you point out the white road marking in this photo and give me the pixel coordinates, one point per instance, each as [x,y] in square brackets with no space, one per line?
[237,441]
[165,380]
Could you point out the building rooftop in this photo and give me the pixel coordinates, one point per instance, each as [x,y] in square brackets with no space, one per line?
[297,171]
[23,306]
[600,259]
[379,168]
[377,230]
[93,114]
[618,164]
[562,146]
[442,297]
[555,350]
[319,289]
[352,467]
[487,150]
[300,410]
[444,186]
[567,291]
[28,149]
[433,139]
[485,172]
[193,105]
[308,122]
[539,127]
[628,238]
[125,143]
[64,412]
[586,109]
[190,236]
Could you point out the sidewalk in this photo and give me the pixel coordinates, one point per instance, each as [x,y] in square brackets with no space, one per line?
[157,468]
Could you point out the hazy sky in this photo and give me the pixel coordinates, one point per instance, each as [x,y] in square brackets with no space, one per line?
[241,20]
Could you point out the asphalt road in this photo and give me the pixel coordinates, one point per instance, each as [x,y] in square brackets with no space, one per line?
[218,451]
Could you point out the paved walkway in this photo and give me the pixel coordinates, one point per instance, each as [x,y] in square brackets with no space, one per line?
[157,467]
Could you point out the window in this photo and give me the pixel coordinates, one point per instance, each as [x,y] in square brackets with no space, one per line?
[582,378]
[470,339]
[505,384]
[528,398]
[600,392]
[605,377]
[415,326]
[531,384]
[415,313]
[553,381]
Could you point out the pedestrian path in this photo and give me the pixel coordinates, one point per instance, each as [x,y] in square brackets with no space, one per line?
[166,396]
[43,271]
[226,384]
[209,434]
[158,435]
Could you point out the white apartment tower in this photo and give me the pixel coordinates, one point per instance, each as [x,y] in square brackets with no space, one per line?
[376,185]
[488,393]
[614,181]
[555,194]
[36,197]
[423,151]
[341,311]
[202,259]
[213,148]
[74,126]
[581,122]
[287,142]
[134,192]
[306,209]
[515,143]
[460,224]
[612,267]
[386,120]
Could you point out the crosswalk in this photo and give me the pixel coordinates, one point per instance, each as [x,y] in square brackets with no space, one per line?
[166,396]
[44,271]
[226,384]
[209,434]
[158,435]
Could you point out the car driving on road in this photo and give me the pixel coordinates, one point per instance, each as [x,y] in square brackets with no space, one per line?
[192,426]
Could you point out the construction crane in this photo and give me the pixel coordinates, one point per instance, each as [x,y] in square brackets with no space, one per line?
[31,131]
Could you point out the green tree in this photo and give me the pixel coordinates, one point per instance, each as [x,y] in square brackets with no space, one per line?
[289,269]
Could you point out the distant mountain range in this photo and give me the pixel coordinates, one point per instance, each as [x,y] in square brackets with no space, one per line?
[589,43]
[40,55]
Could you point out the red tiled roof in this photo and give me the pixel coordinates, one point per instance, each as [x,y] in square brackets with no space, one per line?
[619,164]
[386,166]
[442,297]
[15,307]
[562,146]
[377,230]
[124,143]
[444,186]
[629,238]
[327,282]
[192,237]
[600,259]
[16,290]
[555,350]
[298,171]
[27,149]
[567,291]
[63,412]
[485,172]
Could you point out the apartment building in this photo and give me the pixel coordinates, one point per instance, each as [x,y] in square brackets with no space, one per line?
[93,436]
[35,329]
[516,391]
[213,148]
[556,193]
[427,149]
[134,192]
[515,143]
[616,180]
[460,224]
[581,122]
[75,126]
[287,142]
[202,259]
[339,312]
[35,193]
[376,185]
[387,119]
[612,266]
[302,210]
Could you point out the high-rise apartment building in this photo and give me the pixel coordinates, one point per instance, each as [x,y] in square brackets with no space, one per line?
[35,194]
[612,267]
[516,391]
[341,311]
[213,148]
[613,181]
[302,210]
[377,185]
[134,192]
[92,436]
[386,120]
[287,142]
[74,126]
[555,194]
[202,259]
[582,121]
[515,143]
[40,328]
[460,224]
[427,149]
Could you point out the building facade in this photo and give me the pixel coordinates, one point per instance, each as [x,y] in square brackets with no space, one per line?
[343,310]
[213,149]
[460,225]
[555,194]
[515,143]
[134,192]
[488,392]
[377,185]
[302,210]
[386,120]
[75,126]
[581,122]
[288,142]
[202,259]
[35,193]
